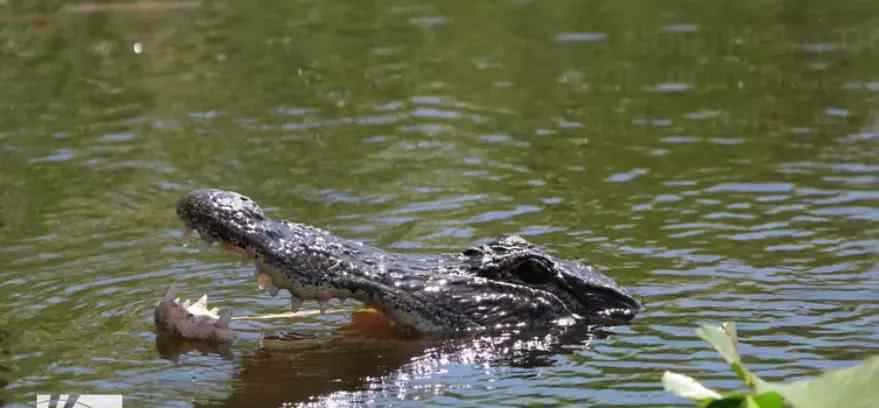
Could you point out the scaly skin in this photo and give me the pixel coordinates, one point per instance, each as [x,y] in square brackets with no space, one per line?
[509,283]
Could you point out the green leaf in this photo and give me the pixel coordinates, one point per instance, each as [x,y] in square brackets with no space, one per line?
[854,387]
[769,399]
[731,400]
[742,400]
[686,387]
[750,402]
[724,339]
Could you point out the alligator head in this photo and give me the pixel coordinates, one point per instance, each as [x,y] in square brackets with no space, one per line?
[508,283]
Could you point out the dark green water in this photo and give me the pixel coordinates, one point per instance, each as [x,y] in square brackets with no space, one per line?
[721,159]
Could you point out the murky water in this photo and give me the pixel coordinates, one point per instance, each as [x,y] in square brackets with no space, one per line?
[720,160]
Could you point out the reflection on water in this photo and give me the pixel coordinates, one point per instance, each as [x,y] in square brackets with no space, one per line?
[721,161]
[382,367]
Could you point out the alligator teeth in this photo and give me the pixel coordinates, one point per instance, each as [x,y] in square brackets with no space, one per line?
[186,303]
[215,310]
[263,280]
[202,302]
[295,303]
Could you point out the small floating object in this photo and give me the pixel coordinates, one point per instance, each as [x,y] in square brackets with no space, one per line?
[192,320]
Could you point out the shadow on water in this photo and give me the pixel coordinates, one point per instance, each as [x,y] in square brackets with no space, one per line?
[364,361]
[172,348]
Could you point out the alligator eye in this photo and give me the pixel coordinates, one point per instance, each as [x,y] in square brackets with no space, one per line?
[533,271]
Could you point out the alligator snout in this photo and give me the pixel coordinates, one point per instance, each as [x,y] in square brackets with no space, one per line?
[219,215]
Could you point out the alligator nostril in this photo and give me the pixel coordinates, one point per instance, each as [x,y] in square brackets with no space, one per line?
[472,252]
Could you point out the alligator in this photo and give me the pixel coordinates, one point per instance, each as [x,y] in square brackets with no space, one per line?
[508,283]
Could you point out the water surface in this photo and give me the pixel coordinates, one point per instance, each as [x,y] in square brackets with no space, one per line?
[721,161]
